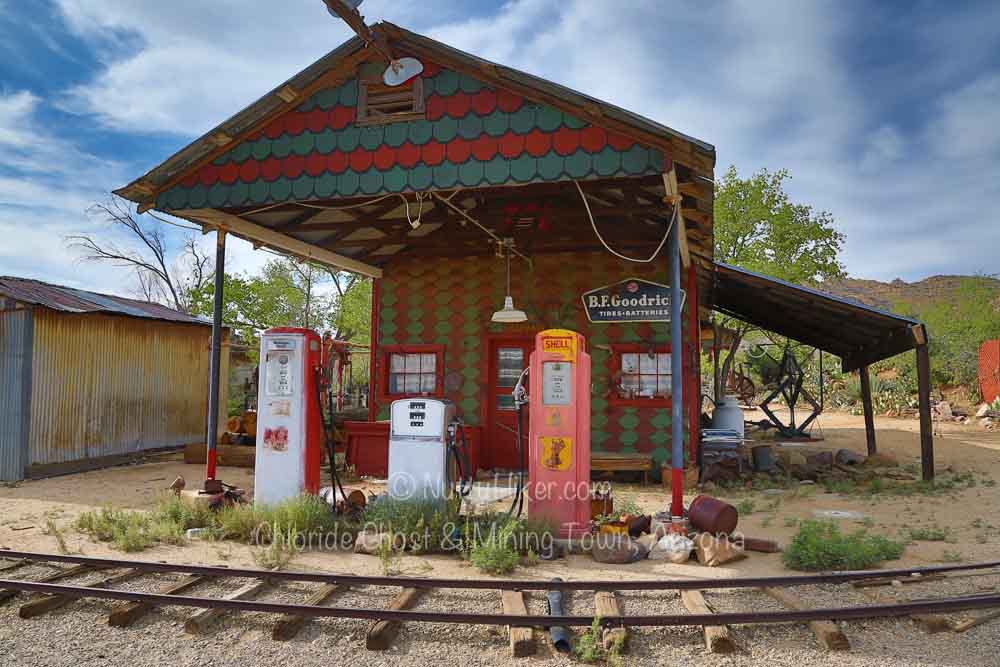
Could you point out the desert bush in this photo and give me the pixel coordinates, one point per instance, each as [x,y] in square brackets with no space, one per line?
[820,545]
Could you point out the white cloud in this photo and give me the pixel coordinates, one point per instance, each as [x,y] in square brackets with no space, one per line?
[967,126]
[772,84]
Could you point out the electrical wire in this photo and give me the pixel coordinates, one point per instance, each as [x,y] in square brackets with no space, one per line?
[586,204]
[175,224]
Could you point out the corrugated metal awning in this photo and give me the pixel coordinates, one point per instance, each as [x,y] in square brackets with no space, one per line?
[857,333]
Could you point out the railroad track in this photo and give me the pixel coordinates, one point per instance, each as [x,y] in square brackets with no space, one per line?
[51,592]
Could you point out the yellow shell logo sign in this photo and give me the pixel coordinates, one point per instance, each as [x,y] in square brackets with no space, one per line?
[560,343]
[557,452]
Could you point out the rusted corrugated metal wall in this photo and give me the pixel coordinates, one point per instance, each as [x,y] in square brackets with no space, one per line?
[15,391]
[989,370]
[106,385]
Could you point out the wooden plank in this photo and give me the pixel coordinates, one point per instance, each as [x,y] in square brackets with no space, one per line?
[606,605]
[827,633]
[717,638]
[926,426]
[13,566]
[522,640]
[45,603]
[381,633]
[290,624]
[48,579]
[203,618]
[124,615]
[970,623]
[268,237]
[866,403]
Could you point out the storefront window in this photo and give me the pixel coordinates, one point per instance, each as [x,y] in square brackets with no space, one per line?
[415,370]
[643,374]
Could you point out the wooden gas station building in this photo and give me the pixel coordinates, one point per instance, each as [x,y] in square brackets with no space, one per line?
[422,187]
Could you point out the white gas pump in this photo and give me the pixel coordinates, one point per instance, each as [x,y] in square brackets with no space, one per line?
[419,448]
[289,425]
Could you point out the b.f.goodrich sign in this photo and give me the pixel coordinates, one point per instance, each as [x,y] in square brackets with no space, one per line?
[631,300]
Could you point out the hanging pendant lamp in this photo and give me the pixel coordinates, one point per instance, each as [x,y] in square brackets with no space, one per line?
[508,314]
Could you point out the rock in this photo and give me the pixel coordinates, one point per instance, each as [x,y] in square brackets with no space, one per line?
[796,459]
[943,408]
[371,543]
[983,411]
[617,549]
[986,422]
[846,457]
[881,460]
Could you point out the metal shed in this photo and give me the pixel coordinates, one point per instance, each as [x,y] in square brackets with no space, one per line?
[88,379]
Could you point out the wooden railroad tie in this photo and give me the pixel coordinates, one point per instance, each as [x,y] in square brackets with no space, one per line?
[125,614]
[202,619]
[381,633]
[289,625]
[827,633]
[717,638]
[522,640]
[606,605]
[13,566]
[74,571]
[45,603]
[932,624]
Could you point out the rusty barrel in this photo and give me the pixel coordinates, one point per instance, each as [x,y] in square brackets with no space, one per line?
[711,515]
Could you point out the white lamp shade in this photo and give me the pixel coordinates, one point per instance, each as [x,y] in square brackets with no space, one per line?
[508,314]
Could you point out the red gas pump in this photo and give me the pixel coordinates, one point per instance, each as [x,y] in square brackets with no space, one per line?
[559,431]
[289,423]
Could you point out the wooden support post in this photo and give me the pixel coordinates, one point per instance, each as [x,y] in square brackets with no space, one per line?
[522,640]
[828,633]
[606,604]
[717,638]
[866,402]
[124,615]
[290,624]
[45,603]
[63,574]
[381,633]
[926,427]
[203,618]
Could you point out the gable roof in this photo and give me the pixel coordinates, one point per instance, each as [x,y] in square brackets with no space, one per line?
[681,148]
[71,300]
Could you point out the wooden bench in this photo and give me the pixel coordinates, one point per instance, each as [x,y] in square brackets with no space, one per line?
[620,462]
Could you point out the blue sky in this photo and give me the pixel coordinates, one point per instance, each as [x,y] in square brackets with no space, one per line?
[886,114]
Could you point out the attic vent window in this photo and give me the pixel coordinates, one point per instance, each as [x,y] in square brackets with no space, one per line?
[379,103]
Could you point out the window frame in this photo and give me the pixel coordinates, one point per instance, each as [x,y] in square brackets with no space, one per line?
[385,359]
[364,116]
[614,397]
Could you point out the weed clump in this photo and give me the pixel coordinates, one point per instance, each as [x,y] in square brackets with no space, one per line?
[820,545]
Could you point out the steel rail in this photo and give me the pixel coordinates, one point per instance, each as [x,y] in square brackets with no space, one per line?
[503,584]
[946,605]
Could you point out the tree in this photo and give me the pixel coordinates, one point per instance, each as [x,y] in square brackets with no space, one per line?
[758,227]
[160,279]
[289,292]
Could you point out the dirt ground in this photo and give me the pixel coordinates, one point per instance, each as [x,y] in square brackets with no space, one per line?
[967,513]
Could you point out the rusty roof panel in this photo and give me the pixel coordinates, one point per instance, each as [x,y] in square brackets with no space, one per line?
[70,300]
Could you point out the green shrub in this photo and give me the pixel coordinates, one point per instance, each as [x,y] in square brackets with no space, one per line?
[496,554]
[427,526]
[929,534]
[819,545]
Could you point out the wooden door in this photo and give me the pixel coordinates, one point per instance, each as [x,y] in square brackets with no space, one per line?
[508,357]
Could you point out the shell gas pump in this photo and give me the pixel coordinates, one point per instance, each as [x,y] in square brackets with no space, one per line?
[289,421]
[559,431]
